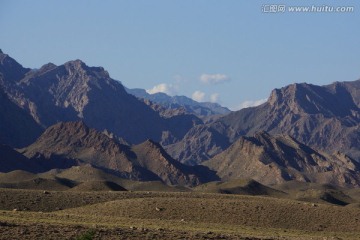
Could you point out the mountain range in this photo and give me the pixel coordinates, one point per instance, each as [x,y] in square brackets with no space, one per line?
[73,143]
[279,158]
[74,115]
[323,117]
[74,91]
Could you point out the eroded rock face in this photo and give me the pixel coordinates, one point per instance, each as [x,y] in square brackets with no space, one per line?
[276,159]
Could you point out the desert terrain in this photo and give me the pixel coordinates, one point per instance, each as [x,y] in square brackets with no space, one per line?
[240,209]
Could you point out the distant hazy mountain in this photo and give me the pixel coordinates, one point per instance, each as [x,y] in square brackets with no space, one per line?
[75,142]
[323,117]
[74,91]
[176,102]
[276,159]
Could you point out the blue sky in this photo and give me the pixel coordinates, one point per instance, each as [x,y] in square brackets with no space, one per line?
[228,51]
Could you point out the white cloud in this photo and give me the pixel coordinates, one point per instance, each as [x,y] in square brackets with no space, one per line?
[249,103]
[169,89]
[214,97]
[198,96]
[214,78]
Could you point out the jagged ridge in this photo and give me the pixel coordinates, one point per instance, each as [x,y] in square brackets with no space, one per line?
[74,141]
[276,159]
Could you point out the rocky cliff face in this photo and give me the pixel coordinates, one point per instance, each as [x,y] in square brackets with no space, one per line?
[276,159]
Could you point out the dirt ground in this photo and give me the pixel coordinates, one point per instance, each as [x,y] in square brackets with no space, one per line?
[34,214]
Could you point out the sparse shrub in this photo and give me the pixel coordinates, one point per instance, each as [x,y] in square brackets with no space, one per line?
[89,235]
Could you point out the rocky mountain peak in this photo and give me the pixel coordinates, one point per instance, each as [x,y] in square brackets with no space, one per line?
[6,59]
[11,70]
[75,64]
[47,67]
[152,147]
[78,67]
[75,140]
[71,135]
[151,143]
[286,95]
[75,91]
[3,55]
[73,132]
[303,98]
[76,126]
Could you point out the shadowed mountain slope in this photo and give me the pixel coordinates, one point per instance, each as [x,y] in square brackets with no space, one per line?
[11,160]
[98,186]
[37,184]
[239,186]
[89,173]
[10,69]
[17,127]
